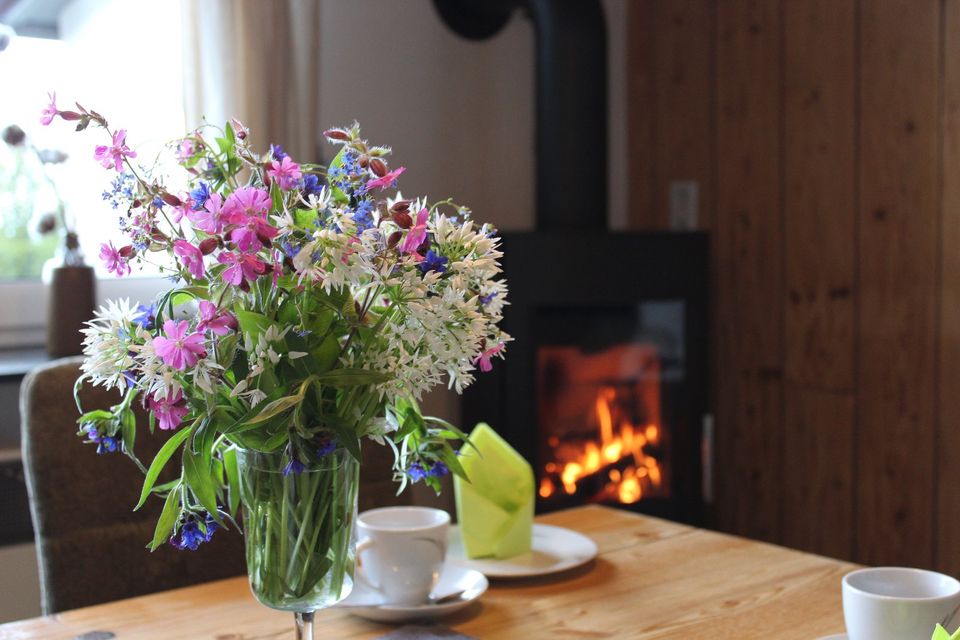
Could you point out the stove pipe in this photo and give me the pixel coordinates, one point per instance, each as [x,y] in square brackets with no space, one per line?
[571,101]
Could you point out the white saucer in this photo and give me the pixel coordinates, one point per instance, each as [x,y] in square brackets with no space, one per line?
[836,636]
[555,549]
[364,602]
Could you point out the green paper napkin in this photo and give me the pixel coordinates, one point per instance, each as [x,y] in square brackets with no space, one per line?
[495,508]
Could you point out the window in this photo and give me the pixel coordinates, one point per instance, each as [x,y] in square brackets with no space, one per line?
[123,59]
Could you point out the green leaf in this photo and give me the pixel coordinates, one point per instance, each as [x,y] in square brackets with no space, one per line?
[348,377]
[198,477]
[325,356]
[95,416]
[128,427]
[233,478]
[160,461]
[449,458]
[168,517]
[304,218]
[346,435]
[275,408]
[252,322]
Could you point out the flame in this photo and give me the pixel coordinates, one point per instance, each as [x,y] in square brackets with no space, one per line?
[626,442]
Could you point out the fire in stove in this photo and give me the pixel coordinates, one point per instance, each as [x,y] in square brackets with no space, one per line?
[606,443]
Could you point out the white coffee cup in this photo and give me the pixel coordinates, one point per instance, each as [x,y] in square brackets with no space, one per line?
[897,603]
[401,550]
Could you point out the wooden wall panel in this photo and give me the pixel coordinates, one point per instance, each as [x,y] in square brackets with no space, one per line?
[684,141]
[641,122]
[747,242]
[948,442]
[899,89]
[819,208]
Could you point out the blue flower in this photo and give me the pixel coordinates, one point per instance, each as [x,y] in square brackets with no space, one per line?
[200,195]
[146,316]
[192,535]
[277,152]
[294,466]
[326,447]
[433,262]
[363,216]
[310,184]
[158,203]
[416,471]
[105,444]
[487,299]
[290,250]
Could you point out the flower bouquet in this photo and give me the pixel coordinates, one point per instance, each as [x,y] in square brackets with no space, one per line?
[308,312]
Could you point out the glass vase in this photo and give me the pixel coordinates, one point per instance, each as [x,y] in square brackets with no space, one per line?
[299,531]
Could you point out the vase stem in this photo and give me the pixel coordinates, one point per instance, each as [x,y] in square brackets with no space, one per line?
[304,625]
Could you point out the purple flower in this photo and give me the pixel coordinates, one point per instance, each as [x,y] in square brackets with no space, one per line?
[190,257]
[286,173]
[416,235]
[114,259]
[50,111]
[277,152]
[212,320]
[327,446]
[192,535]
[170,410]
[243,266]
[179,349]
[114,154]
[210,217]
[433,262]
[387,180]
[487,299]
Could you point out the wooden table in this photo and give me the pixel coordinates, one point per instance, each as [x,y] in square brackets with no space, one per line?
[652,579]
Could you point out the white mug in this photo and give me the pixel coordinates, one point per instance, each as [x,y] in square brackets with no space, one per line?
[897,603]
[401,550]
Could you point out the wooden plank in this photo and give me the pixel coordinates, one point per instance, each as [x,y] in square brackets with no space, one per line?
[898,234]
[653,579]
[948,505]
[748,245]
[684,103]
[641,117]
[819,233]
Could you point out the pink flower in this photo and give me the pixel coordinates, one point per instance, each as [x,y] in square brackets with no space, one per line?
[170,410]
[286,173]
[211,218]
[50,111]
[247,200]
[210,320]
[251,232]
[114,260]
[186,150]
[190,257]
[113,155]
[416,235]
[243,266]
[178,349]
[386,180]
[484,358]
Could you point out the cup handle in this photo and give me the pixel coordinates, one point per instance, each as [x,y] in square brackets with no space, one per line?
[363,545]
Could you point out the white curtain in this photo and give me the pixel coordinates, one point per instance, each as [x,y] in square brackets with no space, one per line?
[258,61]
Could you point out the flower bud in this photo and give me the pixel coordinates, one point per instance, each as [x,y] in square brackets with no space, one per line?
[400,205]
[394,239]
[363,160]
[126,252]
[239,129]
[171,199]
[337,134]
[208,245]
[403,219]
[69,115]
[378,167]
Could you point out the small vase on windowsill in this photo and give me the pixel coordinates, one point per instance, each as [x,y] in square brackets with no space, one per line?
[71,298]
